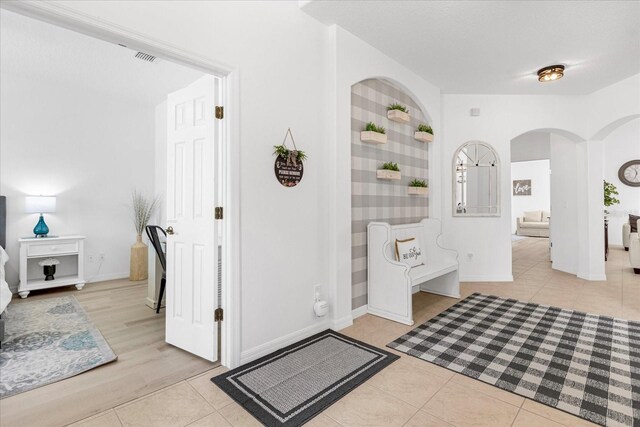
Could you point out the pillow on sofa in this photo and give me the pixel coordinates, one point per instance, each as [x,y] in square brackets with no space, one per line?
[408,251]
[533,216]
[633,222]
[545,216]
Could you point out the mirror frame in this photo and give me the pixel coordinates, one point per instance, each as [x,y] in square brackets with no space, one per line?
[454,181]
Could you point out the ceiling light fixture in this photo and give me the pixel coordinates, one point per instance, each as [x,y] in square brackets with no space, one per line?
[550,73]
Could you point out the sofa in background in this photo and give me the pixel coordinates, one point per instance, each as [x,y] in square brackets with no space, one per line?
[534,224]
[626,230]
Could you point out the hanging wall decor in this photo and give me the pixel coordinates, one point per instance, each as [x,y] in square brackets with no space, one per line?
[288,166]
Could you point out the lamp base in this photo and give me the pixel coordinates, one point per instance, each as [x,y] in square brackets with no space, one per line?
[41,229]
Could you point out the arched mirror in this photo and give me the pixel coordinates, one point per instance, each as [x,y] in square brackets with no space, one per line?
[476,180]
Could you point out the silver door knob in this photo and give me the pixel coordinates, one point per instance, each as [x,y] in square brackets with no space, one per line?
[170,230]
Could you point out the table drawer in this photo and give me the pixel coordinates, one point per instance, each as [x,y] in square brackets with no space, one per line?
[52,248]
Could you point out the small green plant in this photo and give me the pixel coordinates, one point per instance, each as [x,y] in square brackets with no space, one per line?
[425,128]
[281,150]
[373,128]
[610,191]
[418,183]
[390,166]
[396,106]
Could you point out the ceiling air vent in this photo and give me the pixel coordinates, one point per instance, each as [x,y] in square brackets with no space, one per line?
[145,57]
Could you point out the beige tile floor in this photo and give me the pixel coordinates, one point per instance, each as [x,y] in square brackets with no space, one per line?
[412,392]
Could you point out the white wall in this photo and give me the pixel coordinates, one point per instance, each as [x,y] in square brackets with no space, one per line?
[88,150]
[540,199]
[282,72]
[504,117]
[531,146]
[565,215]
[622,145]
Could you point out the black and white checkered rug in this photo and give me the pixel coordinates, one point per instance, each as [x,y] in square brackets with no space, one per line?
[584,364]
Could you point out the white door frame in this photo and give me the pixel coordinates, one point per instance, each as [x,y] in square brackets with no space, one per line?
[67,18]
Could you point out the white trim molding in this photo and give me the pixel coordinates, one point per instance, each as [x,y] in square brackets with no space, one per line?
[358,312]
[269,347]
[488,278]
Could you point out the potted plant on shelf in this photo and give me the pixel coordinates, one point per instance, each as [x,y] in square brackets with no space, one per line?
[424,133]
[389,170]
[143,209]
[610,191]
[398,113]
[418,187]
[373,134]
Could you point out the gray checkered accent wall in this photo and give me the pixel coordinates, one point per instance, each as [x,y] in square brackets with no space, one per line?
[374,199]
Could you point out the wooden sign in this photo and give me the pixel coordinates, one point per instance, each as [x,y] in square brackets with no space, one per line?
[522,187]
[287,172]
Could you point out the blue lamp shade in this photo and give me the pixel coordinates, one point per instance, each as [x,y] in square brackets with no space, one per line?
[40,204]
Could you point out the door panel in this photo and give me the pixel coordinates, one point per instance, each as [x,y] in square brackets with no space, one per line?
[191,196]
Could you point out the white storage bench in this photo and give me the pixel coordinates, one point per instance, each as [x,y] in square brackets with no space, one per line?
[391,284]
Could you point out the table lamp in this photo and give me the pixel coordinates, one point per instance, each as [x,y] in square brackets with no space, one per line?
[40,204]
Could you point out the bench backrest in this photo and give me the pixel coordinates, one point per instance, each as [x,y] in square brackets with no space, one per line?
[426,232]
[403,232]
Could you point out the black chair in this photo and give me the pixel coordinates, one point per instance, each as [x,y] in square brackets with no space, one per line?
[152,232]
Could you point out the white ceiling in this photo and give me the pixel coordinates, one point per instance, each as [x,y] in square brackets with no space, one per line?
[39,50]
[497,46]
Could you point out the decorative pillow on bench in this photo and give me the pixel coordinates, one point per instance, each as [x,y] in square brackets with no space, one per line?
[409,252]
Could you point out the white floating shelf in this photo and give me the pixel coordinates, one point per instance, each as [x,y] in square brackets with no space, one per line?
[388,174]
[423,136]
[418,191]
[373,137]
[398,116]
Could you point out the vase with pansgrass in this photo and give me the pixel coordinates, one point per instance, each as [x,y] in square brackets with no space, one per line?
[143,208]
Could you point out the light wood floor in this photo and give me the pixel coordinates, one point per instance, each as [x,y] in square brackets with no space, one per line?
[145,362]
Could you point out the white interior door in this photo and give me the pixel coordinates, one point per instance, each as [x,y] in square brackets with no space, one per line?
[191,200]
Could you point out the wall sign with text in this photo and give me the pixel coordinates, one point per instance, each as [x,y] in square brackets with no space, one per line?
[522,187]
[288,166]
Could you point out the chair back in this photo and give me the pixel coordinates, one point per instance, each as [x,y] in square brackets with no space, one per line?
[152,232]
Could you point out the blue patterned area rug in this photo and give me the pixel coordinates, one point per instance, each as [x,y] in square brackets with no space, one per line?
[47,341]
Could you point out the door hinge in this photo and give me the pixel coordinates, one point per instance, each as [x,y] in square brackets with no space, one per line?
[218,315]
[219,212]
[219,112]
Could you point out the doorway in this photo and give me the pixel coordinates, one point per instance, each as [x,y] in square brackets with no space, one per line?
[146,364]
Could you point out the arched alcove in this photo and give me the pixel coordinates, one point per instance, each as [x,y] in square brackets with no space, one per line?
[383,196]
[558,184]
[608,129]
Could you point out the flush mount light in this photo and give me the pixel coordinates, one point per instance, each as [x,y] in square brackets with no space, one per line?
[550,73]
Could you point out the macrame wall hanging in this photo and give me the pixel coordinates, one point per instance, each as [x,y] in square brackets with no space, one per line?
[288,166]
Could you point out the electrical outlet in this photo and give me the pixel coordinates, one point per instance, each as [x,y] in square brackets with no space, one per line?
[90,258]
[470,255]
[101,257]
[316,291]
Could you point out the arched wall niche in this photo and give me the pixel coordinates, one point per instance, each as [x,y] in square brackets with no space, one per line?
[374,198]
[608,129]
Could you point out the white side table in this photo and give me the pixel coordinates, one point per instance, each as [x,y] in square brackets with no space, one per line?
[69,250]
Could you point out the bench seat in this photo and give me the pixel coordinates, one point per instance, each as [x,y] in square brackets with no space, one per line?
[391,284]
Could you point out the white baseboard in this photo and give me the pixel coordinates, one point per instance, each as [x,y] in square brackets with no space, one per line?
[594,277]
[343,322]
[107,277]
[256,352]
[94,280]
[497,278]
[360,311]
